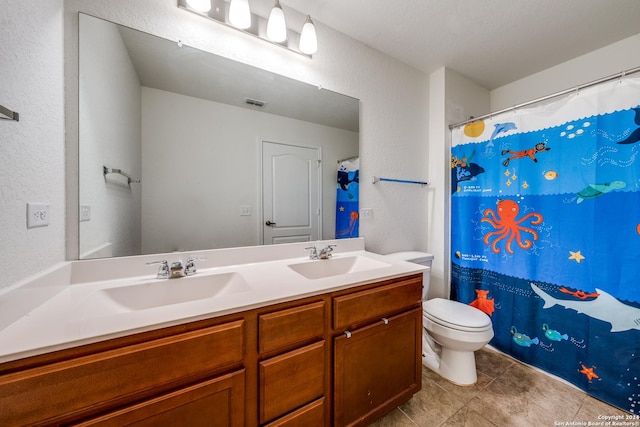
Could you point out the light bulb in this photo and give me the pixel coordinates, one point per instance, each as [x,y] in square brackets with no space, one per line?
[203,6]
[308,38]
[276,27]
[239,14]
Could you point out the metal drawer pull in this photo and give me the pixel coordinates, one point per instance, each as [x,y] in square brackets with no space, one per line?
[348,334]
[385,320]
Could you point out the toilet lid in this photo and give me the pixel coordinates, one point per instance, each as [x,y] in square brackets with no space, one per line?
[456,314]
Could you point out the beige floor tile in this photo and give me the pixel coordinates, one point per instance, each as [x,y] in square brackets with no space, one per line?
[395,418]
[507,394]
[594,410]
[432,405]
[471,415]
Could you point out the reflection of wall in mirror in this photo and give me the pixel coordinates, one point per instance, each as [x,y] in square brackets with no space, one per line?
[201,163]
[109,134]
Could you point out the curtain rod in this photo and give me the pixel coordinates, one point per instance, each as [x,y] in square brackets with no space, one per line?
[348,159]
[544,98]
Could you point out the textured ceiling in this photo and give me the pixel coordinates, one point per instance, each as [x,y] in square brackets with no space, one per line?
[492,42]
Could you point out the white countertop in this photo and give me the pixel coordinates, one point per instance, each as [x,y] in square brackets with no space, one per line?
[44,314]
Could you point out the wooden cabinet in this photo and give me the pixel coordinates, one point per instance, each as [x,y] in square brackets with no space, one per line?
[376,369]
[217,402]
[288,364]
[291,374]
[312,414]
[376,366]
[80,386]
[291,380]
[291,327]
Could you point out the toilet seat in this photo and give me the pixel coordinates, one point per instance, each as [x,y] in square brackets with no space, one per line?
[456,315]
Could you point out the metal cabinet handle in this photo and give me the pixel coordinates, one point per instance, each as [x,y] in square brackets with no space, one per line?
[348,334]
[385,320]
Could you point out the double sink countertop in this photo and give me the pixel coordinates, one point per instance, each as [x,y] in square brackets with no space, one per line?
[81,302]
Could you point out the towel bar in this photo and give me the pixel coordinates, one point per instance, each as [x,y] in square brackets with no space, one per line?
[403,181]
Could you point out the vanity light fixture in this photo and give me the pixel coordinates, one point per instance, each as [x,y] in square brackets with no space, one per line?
[237,14]
[202,6]
[276,26]
[308,38]
[240,14]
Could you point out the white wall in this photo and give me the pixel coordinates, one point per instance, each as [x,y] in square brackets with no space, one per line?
[32,149]
[394,109]
[201,162]
[595,65]
[110,130]
[453,99]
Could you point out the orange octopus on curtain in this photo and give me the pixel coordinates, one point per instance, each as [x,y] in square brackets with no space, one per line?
[507,227]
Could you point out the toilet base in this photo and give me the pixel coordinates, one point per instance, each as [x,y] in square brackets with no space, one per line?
[457,366]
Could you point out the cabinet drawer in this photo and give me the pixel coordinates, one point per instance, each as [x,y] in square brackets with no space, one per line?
[291,380]
[100,381]
[309,415]
[216,402]
[358,307]
[285,328]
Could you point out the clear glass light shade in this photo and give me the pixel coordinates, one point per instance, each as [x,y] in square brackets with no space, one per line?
[239,14]
[203,6]
[276,26]
[308,38]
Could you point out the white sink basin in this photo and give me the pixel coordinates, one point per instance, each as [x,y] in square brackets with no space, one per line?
[175,291]
[322,268]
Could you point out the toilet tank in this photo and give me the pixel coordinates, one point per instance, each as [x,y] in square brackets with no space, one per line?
[421,258]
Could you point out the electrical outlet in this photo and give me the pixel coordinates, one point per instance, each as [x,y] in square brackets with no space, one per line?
[37,215]
[245,210]
[85,213]
[366,213]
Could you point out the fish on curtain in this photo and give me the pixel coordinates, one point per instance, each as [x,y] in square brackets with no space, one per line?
[545,235]
[347,199]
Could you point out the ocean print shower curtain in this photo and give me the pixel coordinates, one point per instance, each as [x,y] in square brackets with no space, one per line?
[545,235]
[347,199]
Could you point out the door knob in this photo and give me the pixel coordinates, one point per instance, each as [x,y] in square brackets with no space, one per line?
[270,224]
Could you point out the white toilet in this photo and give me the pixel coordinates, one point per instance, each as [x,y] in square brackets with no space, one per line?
[452,331]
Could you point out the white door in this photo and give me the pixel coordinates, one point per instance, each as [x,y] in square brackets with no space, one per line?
[291,189]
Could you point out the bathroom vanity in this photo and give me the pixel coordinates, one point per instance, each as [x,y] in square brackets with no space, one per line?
[344,350]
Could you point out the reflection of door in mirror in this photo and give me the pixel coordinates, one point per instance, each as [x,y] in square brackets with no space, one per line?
[291,186]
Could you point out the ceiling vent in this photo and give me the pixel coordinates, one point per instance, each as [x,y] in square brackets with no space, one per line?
[255,102]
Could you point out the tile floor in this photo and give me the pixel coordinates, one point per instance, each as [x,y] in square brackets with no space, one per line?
[507,394]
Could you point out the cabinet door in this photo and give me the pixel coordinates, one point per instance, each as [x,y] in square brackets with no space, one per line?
[217,402]
[377,368]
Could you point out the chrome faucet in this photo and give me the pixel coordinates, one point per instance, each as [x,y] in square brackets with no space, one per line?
[325,253]
[163,269]
[177,269]
[190,267]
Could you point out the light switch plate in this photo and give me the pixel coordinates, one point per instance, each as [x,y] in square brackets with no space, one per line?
[37,215]
[366,213]
[245,210]
[85,213]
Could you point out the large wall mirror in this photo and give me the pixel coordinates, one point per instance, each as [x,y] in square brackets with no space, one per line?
[181,134]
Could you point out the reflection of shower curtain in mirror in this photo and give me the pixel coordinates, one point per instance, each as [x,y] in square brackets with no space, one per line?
[545,235]
[347,199]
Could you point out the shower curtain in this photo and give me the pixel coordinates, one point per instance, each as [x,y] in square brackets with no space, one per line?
[347,199]
[545,235]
